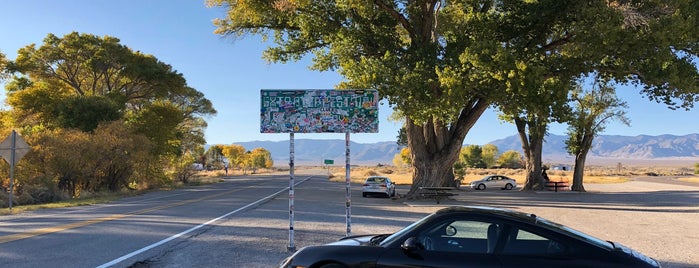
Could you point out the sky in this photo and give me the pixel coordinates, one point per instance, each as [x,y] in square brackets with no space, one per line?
[231,72]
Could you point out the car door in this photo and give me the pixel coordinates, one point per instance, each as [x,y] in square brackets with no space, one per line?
[525,248]
[447,244]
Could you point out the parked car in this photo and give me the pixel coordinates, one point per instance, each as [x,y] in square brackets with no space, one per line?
[494,181]
[472,237]
[378,185]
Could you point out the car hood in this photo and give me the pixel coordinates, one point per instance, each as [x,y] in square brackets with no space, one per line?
[357,240]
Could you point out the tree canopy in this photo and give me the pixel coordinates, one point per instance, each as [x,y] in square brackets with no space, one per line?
[443,63]
[101,116]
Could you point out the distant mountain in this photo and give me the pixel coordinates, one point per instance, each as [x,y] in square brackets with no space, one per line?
[615,146]
[314,152]
[643,147]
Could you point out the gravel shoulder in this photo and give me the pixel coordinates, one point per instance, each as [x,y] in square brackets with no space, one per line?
[657,219]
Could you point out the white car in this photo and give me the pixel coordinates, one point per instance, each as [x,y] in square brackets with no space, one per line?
[494,181]
[378,185]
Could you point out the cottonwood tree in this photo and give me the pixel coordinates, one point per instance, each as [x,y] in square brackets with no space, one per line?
[440,63]
[510,159]
[593,109]
[489,154]
[63,82]
[81,82]
[646,43]
[235,154]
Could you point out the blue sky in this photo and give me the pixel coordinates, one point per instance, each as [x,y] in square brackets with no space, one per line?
[231,72]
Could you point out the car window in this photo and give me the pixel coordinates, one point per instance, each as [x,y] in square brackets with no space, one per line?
[522,242]
[467,236]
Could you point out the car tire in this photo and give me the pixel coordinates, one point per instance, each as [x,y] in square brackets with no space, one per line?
[509,186]
[363,194]
[481,187]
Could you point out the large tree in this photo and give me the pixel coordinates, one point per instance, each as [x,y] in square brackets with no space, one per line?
[593,109]
[80,80]
[647,43]
[440,63]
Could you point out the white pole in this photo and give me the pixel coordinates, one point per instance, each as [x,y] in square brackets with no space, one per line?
[348,196]
[291,246]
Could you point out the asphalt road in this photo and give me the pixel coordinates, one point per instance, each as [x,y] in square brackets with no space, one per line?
[109,234]
[658,219]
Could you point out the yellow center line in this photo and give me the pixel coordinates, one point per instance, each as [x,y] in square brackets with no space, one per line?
[60,228]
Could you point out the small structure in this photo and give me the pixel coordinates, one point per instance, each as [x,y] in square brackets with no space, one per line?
[563,167]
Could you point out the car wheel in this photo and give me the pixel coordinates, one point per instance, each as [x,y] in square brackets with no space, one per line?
[481,187]
[508,186]
[363,194]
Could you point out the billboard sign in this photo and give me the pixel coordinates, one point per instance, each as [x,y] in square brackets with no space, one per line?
[319,111]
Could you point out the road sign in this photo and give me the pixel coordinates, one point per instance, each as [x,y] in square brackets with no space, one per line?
[12,149]
[319,111]
[20,148]
[329,161]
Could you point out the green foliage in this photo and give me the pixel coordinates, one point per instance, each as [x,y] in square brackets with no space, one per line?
[159,123]
[3,66]
[101,117]
[442,63]
[86,112]
[489,154]
[214,157]
[77,162]
[510,159]
[472,156]
[235,154]
[459,170]
[594,108]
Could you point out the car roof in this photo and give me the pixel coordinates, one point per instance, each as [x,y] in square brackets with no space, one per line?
[520,216]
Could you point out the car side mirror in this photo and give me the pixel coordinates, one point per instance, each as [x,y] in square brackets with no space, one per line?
[411,244]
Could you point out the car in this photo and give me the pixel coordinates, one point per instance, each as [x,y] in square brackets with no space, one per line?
[378,185]
[472,236]
[494,181]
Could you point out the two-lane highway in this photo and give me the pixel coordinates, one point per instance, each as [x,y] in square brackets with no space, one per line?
[109,234]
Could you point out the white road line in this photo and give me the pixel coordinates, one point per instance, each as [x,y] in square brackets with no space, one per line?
[161,242]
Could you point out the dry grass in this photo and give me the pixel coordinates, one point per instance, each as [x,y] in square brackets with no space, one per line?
[593,174]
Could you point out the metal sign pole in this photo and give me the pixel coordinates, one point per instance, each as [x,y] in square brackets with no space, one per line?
[348,196]
[291,246]
[12,165]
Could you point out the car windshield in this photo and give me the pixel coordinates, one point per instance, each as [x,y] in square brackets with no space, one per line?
[376,180]
[390,239]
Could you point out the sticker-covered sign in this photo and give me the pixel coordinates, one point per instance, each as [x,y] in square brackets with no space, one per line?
[319,111]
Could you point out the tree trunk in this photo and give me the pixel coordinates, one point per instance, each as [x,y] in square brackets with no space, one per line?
[580,158]
[578,172]
[435,147]
[532,133]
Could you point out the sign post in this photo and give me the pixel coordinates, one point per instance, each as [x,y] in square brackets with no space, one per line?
[327,163]
[12,149]
[318,111]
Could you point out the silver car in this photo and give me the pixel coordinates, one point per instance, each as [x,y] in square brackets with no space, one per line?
[494,181]
[378,185]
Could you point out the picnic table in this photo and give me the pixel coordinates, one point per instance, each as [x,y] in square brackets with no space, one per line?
[437,192]
[557,186]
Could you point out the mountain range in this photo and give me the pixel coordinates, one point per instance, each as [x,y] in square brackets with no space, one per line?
[641,147]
